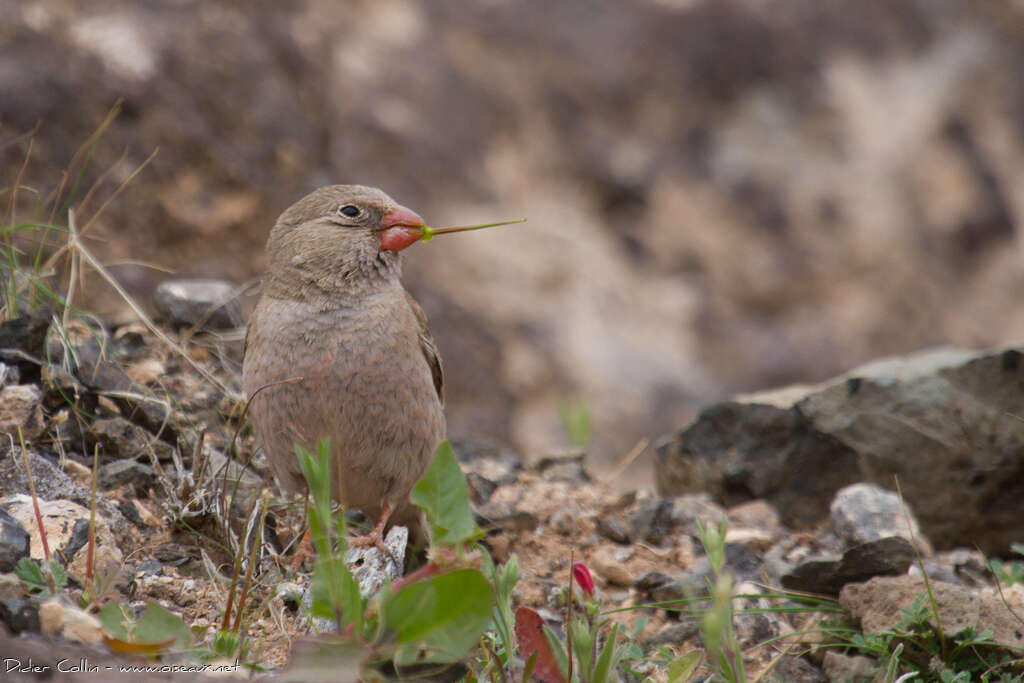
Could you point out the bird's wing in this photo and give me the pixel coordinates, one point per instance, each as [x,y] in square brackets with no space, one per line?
[428,347]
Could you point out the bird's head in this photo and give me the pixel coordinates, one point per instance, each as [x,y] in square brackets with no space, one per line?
[339,239]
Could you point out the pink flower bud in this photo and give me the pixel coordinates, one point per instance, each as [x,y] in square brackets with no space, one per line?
[582,576]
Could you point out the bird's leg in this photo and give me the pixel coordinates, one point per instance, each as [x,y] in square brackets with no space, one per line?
[376,537]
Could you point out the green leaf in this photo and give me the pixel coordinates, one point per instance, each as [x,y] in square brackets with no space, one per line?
[443,496]
[113,618]
[684,667]
[157,624]
[440,619]
[60,574]
[30,572]
[606,661]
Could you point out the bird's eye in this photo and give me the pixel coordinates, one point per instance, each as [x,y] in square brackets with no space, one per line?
[349,210]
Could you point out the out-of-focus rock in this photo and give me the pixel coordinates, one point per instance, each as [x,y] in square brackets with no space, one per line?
[210,304]
[876,606]
[865,512]
[13,541]
[21,408]
[920,418]
[827,576]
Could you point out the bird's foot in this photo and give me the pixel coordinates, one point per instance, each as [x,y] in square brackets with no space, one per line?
[375,539]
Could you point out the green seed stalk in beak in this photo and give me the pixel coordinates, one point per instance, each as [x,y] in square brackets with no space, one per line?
[429,232]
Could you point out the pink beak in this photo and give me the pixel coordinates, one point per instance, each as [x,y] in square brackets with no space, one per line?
[402,227]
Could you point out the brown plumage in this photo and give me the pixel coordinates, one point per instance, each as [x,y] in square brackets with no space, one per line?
[334,313]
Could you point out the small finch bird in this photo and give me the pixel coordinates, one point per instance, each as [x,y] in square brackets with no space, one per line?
[337,348]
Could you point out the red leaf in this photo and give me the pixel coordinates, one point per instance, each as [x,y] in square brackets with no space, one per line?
[531,638]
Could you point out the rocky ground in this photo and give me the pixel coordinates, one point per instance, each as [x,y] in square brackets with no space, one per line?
[173,493]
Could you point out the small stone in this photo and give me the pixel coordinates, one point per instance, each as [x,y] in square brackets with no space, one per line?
[849,668]
[126,441]
[565,520]
[603,563]
[125,472]
[676,634]
[13,541]
[487,458]
[885,557]
[9,374]
[568,467]
[480,488]
[754,514]
[798,670]
[612,528]
[754,539]
[651,520]
[204,303]
[21,406]
[131,513]
[501,515]
[56,618]
[371,568]
[146,371]
[689,509]
[867,512]
[20,615]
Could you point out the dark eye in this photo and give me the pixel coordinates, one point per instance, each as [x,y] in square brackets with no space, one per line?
[349,210]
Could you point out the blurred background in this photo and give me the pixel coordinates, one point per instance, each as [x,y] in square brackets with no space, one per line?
[723,195]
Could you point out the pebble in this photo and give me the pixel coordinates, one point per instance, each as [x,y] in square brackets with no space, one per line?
[211,304]
[13,541]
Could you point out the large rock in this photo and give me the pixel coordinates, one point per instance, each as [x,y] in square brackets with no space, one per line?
[943,422]
[877,605]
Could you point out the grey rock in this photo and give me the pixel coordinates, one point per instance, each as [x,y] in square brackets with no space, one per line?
[20,615]
[97,370]
[125,440]
[887,556]
[203,303]
[480,488]
[122,472]
[51,483]
[650,520]
[943,421]
[488,459]
[677,634]
[689,509]
[568,467]
[798,670]
[613,528]
[23,339]
[867,512]
[79,537]
[371,568]
[13,541]
[741,452]
[501,515]
[842,668]
[9,374]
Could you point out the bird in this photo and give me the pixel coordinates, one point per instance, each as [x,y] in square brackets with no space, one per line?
[337,348]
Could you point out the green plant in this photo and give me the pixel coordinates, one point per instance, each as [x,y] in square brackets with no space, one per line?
[575,417]
[716,624]
[1009,572]
[430,618]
